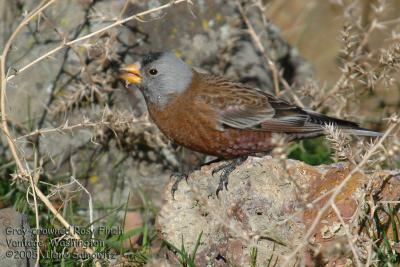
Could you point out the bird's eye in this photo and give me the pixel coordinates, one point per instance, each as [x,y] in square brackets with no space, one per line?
[153,71]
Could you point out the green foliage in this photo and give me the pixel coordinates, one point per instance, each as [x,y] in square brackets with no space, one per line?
[270,261]
[186,259]
[13,194]
[314,151]
[386,236]
[113,243]
[253,256]
[52,252]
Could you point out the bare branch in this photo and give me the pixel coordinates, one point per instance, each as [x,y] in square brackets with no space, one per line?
[118,22]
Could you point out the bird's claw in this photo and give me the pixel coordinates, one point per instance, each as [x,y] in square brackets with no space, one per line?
[223,182]
[179,178]
[226,171]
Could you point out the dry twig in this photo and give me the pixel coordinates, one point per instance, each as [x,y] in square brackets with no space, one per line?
[277,77]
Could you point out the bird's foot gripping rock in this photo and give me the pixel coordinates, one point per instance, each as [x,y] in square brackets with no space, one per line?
[179,177]
[226,170]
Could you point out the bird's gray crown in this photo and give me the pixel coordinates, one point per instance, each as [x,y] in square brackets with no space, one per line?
[164,75]
[149,58]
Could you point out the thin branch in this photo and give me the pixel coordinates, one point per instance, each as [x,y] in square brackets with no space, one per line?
[63,129]
[42,6]
[348,234]
[90,204]
[260,47]
[32,182]
[70,128]
[80,39]
[277,77]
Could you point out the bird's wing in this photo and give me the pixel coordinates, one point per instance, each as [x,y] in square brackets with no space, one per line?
[243,107]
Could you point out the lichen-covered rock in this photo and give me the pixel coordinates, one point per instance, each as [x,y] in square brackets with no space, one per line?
[264,208]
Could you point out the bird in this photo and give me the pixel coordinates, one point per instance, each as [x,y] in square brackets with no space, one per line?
[221,117]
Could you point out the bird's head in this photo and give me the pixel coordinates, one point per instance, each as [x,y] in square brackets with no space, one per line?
[159,76]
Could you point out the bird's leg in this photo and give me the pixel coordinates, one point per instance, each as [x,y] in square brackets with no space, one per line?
[226,170]
[179,177]
[182,172]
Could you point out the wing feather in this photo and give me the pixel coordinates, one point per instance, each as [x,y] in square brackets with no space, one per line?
[243,107]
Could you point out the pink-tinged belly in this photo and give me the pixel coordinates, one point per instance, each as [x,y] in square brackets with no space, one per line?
[230,143]
[234,143]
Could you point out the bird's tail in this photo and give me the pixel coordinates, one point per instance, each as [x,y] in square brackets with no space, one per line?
[347,127]
[362,132]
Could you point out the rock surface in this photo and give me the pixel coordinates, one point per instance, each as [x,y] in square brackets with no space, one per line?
[15,247]
[264,208]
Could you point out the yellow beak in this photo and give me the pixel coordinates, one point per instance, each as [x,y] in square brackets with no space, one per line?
[131,73]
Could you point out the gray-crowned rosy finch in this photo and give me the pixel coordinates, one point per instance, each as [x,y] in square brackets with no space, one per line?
[215,116]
